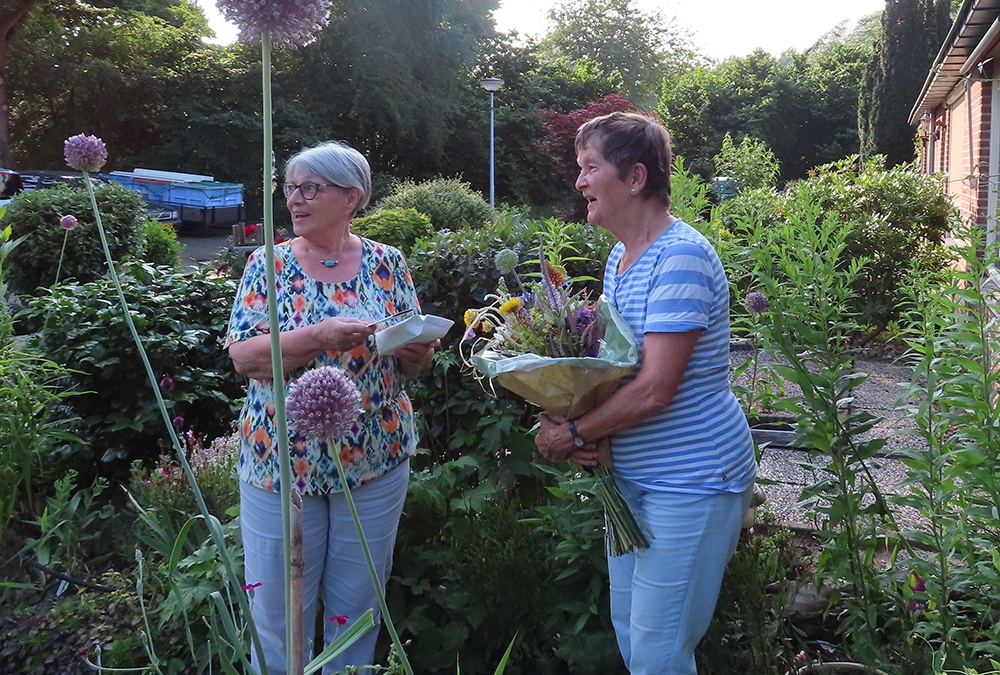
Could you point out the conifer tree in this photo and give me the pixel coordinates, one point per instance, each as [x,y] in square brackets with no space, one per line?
[912,34]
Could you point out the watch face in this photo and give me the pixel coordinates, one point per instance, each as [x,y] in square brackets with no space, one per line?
[579,442]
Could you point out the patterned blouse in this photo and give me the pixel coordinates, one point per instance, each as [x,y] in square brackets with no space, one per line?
[385,434]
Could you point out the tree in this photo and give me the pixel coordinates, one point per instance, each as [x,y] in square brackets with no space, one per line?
[524,175]
[803,106]
[560,139]
[913,31]
[12,15]
[104,70]
[641,48]
[393,78]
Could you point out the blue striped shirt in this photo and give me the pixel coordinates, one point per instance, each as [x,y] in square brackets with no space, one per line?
[700,443]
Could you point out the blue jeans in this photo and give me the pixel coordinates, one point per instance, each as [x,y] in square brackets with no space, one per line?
[663,597]
[334,563]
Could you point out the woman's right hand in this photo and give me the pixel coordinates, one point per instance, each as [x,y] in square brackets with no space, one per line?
[342,334]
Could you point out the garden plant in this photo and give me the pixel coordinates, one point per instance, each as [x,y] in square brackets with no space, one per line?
[495,544]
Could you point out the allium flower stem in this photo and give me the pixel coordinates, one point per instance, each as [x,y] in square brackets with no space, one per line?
[214,526]
[292,617]
[396,642]
[62,252]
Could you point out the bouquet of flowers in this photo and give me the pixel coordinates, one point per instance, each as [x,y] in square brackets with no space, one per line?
[558,349]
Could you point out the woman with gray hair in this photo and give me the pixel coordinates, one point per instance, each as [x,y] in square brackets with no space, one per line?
[332,285]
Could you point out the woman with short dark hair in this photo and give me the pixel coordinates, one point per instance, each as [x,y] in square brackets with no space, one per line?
[682,451]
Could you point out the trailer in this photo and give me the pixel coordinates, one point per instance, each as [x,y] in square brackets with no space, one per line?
[198,199]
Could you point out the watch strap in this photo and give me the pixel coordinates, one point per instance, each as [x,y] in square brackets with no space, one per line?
[577,439]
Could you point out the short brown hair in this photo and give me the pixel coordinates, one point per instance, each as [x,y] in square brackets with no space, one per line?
[626,139]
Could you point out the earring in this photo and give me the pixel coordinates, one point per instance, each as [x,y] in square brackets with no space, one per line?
[633,190]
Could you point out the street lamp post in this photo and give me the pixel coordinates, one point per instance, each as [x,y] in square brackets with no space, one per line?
[491,84]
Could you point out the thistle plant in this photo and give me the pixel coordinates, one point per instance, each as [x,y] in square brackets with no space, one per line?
[88,154]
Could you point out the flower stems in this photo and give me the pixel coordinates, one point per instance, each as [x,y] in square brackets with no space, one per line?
[211,521]
[277,367]
[62,252]
[622,529]
[396,643]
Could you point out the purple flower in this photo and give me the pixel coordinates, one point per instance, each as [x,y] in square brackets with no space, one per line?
[68,222]
[85,153]
[289,23]
[178,422]
[323,402]
[166,384]
[757,302]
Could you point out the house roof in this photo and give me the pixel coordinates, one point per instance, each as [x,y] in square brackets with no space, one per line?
[975,31]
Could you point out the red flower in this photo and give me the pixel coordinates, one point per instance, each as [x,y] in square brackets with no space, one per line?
[250,230]
[250,587]
[341,620]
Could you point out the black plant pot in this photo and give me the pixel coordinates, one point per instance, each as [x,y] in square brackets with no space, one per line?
[776,431]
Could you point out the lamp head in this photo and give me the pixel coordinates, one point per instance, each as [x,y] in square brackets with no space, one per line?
[491,83]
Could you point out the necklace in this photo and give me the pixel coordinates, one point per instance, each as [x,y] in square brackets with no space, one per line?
[329,263]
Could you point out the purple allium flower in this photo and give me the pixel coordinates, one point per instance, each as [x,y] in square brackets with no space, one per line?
[178,422]
[323,402]
[85,153]
[166,384]
[757,302]
[289,23]
[68,222]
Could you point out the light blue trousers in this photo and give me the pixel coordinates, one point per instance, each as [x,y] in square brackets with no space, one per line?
[663,597]
[334,563]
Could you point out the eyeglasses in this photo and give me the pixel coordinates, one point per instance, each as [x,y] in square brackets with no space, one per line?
[307,190]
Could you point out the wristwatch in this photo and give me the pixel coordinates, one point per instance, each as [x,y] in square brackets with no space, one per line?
[577,440]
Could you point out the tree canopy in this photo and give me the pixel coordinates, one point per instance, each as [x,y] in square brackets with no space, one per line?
[399,79]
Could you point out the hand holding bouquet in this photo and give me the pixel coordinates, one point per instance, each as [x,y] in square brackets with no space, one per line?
[559,349]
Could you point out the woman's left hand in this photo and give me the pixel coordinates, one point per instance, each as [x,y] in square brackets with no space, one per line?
[416,356]
[555,441]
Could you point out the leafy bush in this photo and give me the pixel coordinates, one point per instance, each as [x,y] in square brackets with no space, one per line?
[448,202]
[751,631]
[35,215]
[160,245]
[898,217]
[181,318]
[395,227]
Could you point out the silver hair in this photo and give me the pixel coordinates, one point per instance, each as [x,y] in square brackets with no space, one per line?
[338,163]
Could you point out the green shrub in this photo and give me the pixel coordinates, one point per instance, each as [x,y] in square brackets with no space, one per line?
[181,319]
[898,217]
[395,227]
[448,202]
[160,244]
[35,216]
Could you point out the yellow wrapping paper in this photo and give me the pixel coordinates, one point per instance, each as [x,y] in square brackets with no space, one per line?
[569,386]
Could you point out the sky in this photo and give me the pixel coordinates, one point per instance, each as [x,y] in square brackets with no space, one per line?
[718,28]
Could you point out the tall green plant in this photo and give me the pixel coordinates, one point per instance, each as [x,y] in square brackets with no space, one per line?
[952,476]
[31,389]
[802,271]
